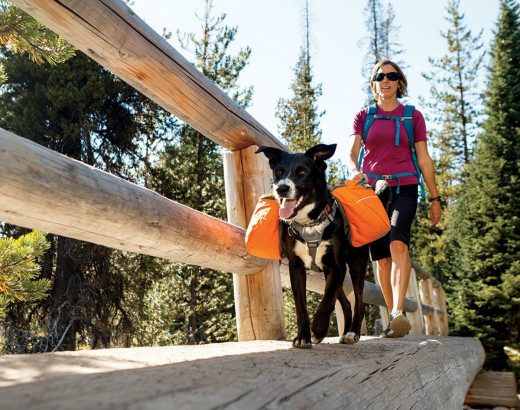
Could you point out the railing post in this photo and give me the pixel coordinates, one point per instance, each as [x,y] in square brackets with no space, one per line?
[383,309]
[442,306]
[340,319]
[431,321]
[258,297]
[416,318]
[436,296]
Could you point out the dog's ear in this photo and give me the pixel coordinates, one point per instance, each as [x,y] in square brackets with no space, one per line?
[319,153]
[274,155]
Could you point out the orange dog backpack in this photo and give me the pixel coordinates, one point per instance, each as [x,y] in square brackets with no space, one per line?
[364,216]
[263,235]
[362,211]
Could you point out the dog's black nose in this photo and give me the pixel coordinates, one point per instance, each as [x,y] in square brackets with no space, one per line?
[283,190]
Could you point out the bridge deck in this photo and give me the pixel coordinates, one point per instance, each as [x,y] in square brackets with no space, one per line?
[414,372]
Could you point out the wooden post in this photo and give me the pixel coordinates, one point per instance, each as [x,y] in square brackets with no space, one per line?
[442,306]
[416,318]
[258,298]
[437,307]
[383,309]
[430,321]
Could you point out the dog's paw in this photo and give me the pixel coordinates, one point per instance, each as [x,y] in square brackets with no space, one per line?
[301,343]
[320,327]
[316,340]
[349,339]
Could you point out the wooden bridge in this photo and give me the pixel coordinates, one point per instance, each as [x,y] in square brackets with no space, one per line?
[39,188]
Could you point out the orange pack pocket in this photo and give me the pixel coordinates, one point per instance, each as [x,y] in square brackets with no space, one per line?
[263,232]
[364,212]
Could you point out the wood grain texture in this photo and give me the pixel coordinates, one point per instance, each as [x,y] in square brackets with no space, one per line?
[41,189]
[109,32]
[420,372]
[493,389]
[258,297]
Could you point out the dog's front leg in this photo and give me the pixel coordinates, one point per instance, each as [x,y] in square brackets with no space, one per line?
[333,282]
[357,264]
[298,284]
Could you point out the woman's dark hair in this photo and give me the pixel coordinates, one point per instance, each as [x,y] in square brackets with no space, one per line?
[403,84]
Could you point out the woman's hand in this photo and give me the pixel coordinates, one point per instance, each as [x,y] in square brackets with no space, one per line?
[356,174]
[435,213]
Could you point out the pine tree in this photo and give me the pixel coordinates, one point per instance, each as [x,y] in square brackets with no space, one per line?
[20,33]
[453,108]
[192,173]
[19,273]
[81,110]
[299,116]
[486,227]
[381,41]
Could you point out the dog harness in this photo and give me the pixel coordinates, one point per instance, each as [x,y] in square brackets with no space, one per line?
[312,233]
[407,120]
[364,220]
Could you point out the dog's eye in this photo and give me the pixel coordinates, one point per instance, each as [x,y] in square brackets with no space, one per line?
[279,172]
[301,172]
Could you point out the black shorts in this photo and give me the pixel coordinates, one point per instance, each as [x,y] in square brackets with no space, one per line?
[402,213]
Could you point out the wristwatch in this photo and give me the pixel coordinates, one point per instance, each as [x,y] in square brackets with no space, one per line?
[437,198]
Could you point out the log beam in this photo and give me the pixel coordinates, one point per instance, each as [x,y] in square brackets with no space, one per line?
[42,189]
[110,33]
[419,372]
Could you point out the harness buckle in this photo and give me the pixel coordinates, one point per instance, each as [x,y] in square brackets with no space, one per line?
[386,177]
[313,244]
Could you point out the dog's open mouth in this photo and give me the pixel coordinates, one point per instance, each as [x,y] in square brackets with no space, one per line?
[289,207]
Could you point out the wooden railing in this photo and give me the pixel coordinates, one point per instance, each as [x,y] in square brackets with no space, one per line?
[41,189]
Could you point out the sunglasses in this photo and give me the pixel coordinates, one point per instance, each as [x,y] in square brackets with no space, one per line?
[391,76]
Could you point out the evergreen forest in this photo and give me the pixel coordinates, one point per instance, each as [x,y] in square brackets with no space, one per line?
[58,293]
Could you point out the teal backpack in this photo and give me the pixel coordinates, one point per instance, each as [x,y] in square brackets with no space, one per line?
[407,120]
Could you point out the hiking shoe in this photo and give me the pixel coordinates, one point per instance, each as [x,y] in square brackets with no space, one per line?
[399,324]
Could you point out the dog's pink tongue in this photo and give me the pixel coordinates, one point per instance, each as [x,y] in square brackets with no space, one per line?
[287,208]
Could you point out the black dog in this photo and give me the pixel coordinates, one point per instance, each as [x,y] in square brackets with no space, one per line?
[313,235]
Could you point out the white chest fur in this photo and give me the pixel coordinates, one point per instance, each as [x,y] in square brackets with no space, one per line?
[302,251]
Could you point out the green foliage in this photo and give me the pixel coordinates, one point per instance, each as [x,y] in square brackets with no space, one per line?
[299,115]
[454,93]
[486,228]
[19,271]
[454,90]
[21,33]
[79,109]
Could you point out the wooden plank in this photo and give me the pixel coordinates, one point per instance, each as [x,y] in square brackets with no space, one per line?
[109,32]
[493,389]
[422,372]
[42,189]
[258,297]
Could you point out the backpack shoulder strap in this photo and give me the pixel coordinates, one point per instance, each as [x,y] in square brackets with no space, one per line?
[371,112]
[408,124]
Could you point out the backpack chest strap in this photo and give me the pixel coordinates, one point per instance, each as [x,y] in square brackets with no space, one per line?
[397,120]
